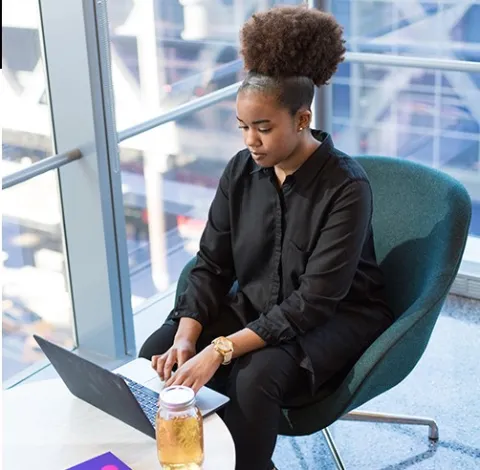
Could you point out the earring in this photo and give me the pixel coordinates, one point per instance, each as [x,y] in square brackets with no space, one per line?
[300,129]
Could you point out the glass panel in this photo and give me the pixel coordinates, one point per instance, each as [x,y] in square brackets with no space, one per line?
[165,54]
[35,289]
[26,127]
[442,28]
[428,116]
[168,184]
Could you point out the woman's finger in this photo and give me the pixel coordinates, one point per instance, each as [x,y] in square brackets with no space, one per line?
[161,364]
[169,363]
[154,361]
[175,379]
[183,380]
[196,386]
[188,383]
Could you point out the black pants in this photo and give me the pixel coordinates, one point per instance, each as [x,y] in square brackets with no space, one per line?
[257,384]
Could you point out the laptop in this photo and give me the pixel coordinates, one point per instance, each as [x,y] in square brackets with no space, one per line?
[119,396]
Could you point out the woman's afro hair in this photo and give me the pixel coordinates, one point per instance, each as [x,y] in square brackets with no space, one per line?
[293,41]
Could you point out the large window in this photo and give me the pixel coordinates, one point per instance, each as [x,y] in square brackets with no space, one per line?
[131,223]
[426,115]
[417,114]
[165,54]
[34,285]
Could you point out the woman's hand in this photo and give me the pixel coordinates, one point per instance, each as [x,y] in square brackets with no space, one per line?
[196,372]
[180,352]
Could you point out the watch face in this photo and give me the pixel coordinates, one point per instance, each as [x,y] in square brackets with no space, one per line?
[224,345]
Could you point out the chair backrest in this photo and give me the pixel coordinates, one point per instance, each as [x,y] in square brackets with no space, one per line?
[420,223]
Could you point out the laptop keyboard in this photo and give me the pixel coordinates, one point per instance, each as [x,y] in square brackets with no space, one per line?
[146,397]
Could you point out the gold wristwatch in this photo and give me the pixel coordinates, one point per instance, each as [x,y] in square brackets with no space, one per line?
[224,347]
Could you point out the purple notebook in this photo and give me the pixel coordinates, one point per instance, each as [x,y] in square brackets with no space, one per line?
[106,461]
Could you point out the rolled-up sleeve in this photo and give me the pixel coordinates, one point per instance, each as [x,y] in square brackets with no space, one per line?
[213,274]
[329,271]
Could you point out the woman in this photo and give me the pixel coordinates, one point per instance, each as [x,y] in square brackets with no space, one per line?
[291,223]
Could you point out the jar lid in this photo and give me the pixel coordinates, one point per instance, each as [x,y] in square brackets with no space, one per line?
[177,397]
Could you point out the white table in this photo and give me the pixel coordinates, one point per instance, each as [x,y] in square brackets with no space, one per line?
[46,428]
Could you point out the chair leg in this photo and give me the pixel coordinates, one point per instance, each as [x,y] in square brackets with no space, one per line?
[333,449]
[390,418]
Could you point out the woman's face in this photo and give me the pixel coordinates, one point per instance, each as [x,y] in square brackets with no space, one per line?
[270,132]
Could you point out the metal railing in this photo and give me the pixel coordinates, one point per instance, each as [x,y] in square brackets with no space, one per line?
[206,101]
[388,60]
[180,111]
[38,168]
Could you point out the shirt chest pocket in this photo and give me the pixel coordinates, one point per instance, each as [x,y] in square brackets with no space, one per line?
[294,263]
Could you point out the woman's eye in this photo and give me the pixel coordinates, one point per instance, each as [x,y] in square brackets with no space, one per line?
[262,131]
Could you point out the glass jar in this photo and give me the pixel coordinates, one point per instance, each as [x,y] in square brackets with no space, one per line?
[179,430]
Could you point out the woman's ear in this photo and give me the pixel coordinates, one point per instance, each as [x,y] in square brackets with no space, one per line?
[304,118]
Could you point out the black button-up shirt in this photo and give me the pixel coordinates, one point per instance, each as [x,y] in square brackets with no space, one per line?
[302,254]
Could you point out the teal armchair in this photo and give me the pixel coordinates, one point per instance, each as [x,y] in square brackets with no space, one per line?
[421,220]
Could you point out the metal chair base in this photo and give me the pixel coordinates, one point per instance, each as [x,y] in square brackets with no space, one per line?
[333,449]
[373,417]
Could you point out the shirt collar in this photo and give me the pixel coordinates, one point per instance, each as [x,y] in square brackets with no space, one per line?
[311,167]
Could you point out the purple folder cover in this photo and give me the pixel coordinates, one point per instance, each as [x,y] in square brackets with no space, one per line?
[106,461]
